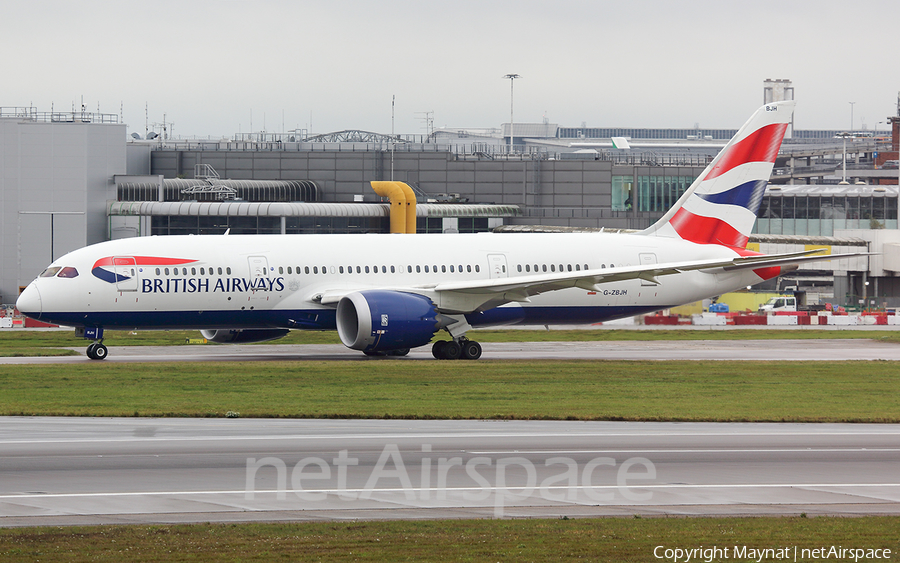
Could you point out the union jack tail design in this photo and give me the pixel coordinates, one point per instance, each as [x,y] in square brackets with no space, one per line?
[721,205]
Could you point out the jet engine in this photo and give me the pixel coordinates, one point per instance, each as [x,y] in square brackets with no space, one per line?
[244,336]
[381,320]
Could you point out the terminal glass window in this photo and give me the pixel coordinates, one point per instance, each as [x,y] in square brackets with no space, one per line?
[621,193]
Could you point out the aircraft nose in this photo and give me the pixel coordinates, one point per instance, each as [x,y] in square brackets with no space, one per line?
[29,302]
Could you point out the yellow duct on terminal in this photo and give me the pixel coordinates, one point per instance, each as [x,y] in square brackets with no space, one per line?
[410,208]
[403,205]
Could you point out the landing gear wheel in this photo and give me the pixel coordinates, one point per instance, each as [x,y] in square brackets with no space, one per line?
[100,352]
[437,349]
[399,352]
[471,350]
[97,351]
[452,350]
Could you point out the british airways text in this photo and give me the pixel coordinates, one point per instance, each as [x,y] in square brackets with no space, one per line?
[205,285]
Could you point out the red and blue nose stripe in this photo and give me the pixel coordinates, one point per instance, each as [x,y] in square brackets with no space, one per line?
[112,277]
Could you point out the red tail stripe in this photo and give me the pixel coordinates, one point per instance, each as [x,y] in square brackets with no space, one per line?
[706,230]
[760,146]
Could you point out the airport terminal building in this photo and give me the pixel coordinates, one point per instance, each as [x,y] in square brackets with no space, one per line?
[72,179]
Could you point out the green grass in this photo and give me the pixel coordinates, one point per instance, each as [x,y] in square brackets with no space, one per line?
[859,391]
[611,539]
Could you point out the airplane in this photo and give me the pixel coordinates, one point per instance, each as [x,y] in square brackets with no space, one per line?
[388,293]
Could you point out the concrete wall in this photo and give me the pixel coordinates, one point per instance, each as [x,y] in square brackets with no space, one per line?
[55,181]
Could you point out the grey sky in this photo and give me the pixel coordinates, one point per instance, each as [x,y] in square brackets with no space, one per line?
[210,65]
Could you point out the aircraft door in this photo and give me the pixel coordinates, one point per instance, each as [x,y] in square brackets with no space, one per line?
[647,259]
[497,265]
[126,273]
[259,271]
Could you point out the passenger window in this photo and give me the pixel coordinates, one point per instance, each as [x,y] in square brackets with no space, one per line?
[290,270]
[341,270]
[443,269]
[477,268]
[577,267]
[552,267]
[570,267]
[383,269]
[280,270]
[166,271]
[527,267]
[418,269]
[220,271]
[228,270]
[157,271]
[358,270]
[367,269]
[451,268]
[469,268]
[545,267]
[315,269]
[68,272]
[306,269]
[435,269]
[392,269]
[426,268]
[409,269]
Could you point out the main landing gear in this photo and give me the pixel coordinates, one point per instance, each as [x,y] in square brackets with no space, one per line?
[461,348]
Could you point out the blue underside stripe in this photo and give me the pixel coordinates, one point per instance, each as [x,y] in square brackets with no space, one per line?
[324,319]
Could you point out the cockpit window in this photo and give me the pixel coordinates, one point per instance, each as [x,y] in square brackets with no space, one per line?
[68,272]
[50,272]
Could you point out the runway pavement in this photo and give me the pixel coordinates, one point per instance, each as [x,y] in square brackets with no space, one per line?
[58,471]
[781,350]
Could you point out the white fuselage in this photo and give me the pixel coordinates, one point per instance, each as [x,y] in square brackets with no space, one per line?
[265,281]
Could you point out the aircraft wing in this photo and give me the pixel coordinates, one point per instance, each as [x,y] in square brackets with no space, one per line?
[471,295]
[591,279]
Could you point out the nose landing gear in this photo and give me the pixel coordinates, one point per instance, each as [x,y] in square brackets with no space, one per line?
[97,351]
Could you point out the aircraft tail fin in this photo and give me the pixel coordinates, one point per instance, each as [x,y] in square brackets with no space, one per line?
[720,207]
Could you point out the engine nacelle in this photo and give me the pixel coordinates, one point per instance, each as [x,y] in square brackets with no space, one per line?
[245,335]
[382,320]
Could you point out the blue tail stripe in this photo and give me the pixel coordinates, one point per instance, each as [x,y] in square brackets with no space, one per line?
[748,195]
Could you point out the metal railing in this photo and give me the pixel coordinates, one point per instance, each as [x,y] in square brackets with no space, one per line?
[31,114]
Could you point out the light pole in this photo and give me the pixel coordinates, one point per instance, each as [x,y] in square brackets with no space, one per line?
[851,116]
[512,78]
[844,136]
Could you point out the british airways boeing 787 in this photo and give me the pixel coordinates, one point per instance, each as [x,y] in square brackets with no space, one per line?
[388,293]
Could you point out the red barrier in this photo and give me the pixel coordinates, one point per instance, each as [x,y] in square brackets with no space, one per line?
[661,320]
[750,320]
[31,323]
